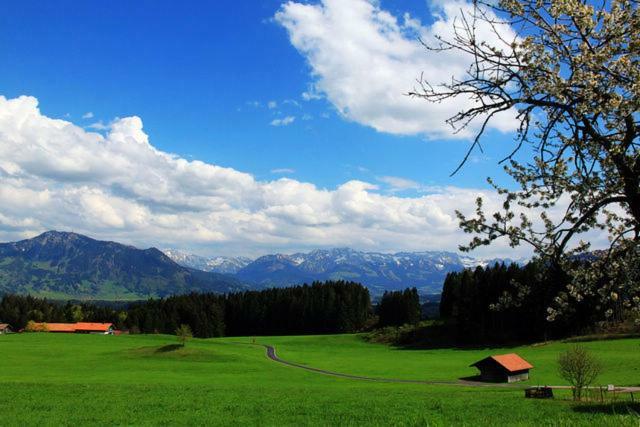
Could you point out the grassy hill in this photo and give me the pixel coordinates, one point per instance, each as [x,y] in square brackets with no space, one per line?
[68,265]
[140,379]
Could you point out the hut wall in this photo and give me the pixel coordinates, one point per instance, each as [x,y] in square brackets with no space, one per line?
[518,376]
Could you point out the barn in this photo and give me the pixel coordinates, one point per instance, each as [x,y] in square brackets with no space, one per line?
[58,328]
[503,368]
[76,328]
[94,328]
[4,328]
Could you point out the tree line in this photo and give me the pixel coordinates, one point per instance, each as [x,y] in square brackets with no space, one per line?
[501,303]
[398,308]
[329,307]
[17,310]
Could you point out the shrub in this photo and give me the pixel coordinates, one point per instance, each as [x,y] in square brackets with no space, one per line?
[184,334]
[579,367]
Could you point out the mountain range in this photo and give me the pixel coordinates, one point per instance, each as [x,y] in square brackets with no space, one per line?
[377,271]
[68,265]
[217,264]
[64,265]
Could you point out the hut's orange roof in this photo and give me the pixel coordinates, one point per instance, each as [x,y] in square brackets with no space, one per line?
[512,362]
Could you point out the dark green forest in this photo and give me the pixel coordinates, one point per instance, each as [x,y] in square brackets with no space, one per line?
[329,307]
[398,308]
[501,304]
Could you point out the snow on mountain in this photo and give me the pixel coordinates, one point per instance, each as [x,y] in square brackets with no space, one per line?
[218,264]
[377,271]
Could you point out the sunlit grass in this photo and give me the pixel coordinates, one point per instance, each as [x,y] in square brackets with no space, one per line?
[50,379]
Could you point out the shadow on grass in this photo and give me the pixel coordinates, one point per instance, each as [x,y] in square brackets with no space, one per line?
[475,378]
[169,347]
[479,379]
[612,408]
[441,345]
[430,336]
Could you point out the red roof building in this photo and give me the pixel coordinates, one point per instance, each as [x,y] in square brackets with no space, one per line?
[94,328]
[75,328]
[503,368]
[68,328]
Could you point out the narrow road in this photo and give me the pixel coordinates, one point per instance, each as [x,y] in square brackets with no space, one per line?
[271,354]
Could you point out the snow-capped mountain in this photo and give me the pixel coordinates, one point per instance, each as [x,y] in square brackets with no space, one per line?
[218,264]
[377,271]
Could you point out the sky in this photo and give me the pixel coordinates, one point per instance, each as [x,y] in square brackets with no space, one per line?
[238,128]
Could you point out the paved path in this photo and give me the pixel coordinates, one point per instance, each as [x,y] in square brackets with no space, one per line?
[271,354]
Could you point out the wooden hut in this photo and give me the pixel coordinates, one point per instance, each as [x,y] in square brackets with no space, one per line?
[4,328]
[503,368]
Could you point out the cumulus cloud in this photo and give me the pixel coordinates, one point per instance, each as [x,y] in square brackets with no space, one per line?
[286,121]
[364,60]
[117,185]
[88,115]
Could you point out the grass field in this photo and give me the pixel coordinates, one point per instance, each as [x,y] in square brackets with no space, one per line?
[49,379]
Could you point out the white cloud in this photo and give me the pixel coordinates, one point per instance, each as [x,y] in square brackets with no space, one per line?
[56,175]
[88,115]
[364,60]
[98,126]
[283,171]
[291,102]
[286,121]
[311,94]
[396,183]
[272,104]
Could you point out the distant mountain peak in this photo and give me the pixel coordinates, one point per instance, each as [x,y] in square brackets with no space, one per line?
[64,264]
[216,264]
[59,235]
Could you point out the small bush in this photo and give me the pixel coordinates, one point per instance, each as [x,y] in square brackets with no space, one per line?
[184,334]
[579,367]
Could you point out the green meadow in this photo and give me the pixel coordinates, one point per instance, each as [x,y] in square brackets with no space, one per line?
[49,379]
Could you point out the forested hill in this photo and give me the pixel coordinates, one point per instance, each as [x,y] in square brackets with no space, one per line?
[68,265]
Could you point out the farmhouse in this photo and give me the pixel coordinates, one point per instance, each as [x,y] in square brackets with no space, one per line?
[68,328]
[76,328]
[4,328]
[503,368]
[94,328]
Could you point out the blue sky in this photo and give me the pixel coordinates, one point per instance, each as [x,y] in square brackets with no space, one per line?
[258,90]
[193,71]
